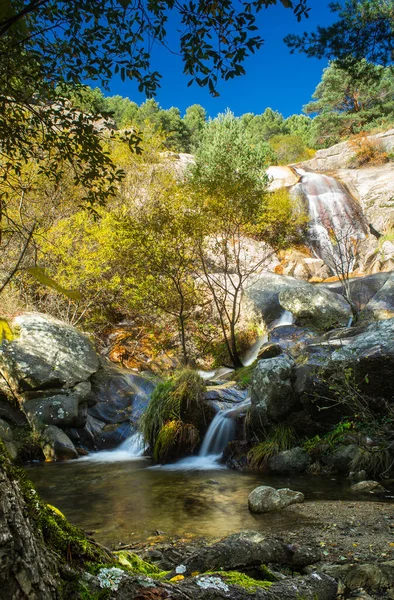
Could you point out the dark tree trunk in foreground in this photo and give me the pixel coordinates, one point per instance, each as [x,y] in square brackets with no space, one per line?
[27,569]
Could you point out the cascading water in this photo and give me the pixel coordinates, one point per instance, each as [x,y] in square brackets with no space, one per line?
[220,432]
[132,448]
[251,355]
[336,219]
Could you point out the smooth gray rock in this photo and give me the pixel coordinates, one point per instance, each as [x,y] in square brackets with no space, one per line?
[367,487]
[296,460]
[261,296]
[317,307]
[272,393]
[57,445]
[343,457]
[381,306]
[266,499]
[46,353]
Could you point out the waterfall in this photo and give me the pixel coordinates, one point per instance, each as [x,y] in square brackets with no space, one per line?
[220,432]
[336,219]
[131,449]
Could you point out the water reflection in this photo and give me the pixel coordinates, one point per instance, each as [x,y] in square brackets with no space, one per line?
[126,501]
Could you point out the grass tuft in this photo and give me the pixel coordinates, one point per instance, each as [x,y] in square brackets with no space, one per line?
[282,438]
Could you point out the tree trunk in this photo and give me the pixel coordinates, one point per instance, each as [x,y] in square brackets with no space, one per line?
[27,569]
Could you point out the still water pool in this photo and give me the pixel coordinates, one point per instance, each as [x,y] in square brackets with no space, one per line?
[127,501]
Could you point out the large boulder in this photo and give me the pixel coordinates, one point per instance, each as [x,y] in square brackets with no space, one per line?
[295,460]
[57,445]
[266,499]
[361,289]
[369,352]
[342,458]
[260,301]
[68,408]
[119,399]
[381,305]
[317,307]
[45,354]
[272,393]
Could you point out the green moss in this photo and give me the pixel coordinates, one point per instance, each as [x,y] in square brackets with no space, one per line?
[69,542]
[237,578]
[243,376]
[267,574]
[137,565]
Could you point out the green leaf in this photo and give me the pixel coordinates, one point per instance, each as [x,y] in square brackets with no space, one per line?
[39,274]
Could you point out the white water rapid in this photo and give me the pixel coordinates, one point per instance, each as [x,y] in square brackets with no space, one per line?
[336,219]
[220,432]
[131,449]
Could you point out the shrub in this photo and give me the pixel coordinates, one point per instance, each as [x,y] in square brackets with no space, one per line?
[367,152]
[376,461]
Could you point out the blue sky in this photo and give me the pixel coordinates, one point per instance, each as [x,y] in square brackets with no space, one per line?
[274,77]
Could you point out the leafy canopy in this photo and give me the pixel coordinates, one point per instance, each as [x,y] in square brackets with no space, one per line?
[364,30]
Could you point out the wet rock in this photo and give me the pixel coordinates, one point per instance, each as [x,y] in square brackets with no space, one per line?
[342,458]
[269,350]
[317,307]
[367,487]
[266,499]
[361,289]
[272,394]
[46,353]
[119,394]
[250,548]
[57,445]
[296,460]
[119,399]
[291,338]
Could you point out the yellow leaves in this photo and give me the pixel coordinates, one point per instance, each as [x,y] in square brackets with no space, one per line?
[177,578]
[39,274]
[6,333]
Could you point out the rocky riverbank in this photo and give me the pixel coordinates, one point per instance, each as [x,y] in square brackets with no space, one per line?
[353,541]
